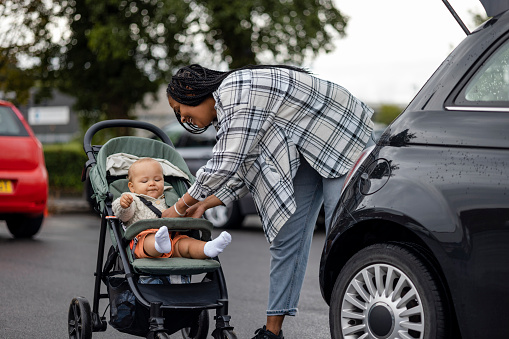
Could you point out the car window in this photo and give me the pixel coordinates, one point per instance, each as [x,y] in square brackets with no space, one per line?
[10,125]
[207,138]
[182,138]
[490,84]
[193,141]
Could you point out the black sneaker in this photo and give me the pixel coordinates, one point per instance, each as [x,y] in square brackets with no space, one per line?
[263,333]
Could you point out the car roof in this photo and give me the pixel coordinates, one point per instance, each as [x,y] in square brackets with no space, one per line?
[495,7]
[6,103]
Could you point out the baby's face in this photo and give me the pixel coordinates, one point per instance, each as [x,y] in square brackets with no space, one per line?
[147,178]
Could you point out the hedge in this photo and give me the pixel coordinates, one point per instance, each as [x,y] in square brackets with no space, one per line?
[64,163]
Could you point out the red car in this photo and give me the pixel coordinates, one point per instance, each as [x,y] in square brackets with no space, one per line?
[23,174]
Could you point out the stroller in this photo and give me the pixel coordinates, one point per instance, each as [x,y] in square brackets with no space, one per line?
[150,298]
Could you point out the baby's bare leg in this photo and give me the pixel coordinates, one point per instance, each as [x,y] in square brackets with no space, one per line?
[149,246]
[197,249]
[158,243]
[189,248]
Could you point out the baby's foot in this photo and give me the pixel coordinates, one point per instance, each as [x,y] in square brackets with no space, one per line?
[214,247]
[162,240]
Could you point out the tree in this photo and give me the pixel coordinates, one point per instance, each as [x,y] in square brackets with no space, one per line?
[15,83]
[281,30]
[109,54]
[478,18]
[386,113]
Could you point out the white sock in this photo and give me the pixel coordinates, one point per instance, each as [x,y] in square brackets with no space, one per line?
[214,247]
[162,240]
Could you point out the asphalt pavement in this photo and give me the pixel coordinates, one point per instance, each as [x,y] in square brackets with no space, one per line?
[38,288]
[67,204]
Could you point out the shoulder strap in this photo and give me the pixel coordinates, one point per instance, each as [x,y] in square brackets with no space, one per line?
[152,207]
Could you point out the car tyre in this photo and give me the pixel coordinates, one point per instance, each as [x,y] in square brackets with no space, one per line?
[227,217]
[24,226]
[387,291]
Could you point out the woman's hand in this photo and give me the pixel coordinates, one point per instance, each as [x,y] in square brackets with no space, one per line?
[197,210]
[170,213]
[190,207]
[126,200]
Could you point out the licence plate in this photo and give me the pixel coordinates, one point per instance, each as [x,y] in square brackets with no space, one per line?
[5,186]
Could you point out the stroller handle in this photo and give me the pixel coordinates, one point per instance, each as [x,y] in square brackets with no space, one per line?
[87,140]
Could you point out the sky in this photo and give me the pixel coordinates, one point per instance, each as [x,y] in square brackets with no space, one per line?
[392,47]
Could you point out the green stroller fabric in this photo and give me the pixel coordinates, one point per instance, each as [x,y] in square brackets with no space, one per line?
[140,147]
[144,147]
[172,266]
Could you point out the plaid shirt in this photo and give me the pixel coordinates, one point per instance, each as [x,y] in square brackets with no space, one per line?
[266,119]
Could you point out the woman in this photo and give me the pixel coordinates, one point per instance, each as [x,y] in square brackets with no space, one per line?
[283,135]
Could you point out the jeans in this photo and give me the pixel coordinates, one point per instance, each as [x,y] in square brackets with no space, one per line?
[290,249]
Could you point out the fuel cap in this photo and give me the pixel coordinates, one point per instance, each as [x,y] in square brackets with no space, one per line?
[375,176]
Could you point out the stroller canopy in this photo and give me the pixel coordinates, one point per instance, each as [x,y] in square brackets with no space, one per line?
[116,155]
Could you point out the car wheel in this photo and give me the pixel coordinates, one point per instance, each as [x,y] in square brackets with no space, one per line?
[387,291]
[225,216]
[24,226]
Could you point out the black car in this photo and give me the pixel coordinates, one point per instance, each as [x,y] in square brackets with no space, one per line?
[419,246]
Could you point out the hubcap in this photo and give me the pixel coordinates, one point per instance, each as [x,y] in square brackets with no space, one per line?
[381,302]
[380,320]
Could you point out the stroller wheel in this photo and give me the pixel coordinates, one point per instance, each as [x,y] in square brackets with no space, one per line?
[200,329]
[79,319]
[229,334]
[161,335]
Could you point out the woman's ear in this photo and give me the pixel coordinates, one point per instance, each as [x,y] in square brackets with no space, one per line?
[131,187]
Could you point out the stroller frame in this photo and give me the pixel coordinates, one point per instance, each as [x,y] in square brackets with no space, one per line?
[83,320]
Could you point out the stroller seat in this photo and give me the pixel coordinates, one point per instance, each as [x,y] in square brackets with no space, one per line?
[172,266]
[198,228]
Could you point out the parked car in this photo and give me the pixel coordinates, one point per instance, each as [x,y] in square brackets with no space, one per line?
[419,246]
[23,175]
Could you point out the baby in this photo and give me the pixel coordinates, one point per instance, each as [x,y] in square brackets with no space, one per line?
[146,180]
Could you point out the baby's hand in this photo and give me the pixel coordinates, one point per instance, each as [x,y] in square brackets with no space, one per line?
[126,200]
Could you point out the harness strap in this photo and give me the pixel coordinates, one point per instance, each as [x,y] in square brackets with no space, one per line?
[157,212]
[152,207]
